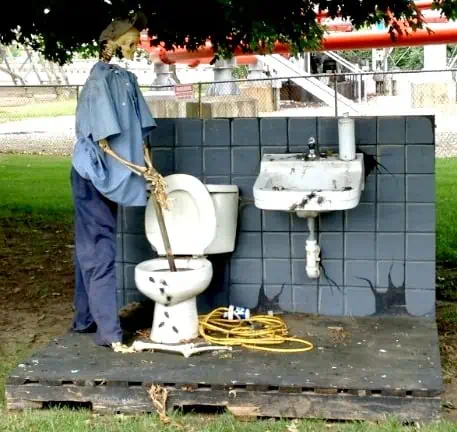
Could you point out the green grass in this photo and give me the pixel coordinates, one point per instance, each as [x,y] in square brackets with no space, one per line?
[446,209]
[73,421]
[33,110]
[36,187]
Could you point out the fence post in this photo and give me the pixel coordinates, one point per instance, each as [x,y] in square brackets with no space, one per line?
[335,86]
[359,84]
[199,100]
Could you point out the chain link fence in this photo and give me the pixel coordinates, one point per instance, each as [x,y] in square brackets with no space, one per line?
[41,118]
[37,119]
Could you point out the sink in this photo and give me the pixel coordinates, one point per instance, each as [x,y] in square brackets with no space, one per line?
[291,182]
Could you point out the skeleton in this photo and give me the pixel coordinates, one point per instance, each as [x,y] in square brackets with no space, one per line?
[125,46]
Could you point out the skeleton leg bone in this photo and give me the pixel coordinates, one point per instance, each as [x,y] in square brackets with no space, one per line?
[185,349]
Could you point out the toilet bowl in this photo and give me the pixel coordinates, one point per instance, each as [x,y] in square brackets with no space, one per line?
[202,220]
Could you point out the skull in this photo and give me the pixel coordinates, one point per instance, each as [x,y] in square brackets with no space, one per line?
[128,43]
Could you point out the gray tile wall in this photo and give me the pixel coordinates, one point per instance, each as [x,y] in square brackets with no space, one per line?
[379,258]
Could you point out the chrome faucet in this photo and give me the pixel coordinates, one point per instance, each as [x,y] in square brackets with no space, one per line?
[313,151]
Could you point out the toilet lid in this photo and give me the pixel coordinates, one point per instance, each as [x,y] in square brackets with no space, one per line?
[190,220]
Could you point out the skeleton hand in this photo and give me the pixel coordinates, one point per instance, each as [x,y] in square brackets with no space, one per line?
[120,347]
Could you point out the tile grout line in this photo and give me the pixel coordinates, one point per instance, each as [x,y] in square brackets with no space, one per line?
[229,263]
[377,204]
[293,299]
[202,150]
[318,286]
[343,259]
[262,262]
[405,243]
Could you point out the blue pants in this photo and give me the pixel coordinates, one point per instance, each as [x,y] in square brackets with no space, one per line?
[95,299]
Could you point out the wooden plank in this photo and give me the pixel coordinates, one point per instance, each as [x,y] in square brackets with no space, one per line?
[243,403]
[380,354]
[22,404]
[385,366]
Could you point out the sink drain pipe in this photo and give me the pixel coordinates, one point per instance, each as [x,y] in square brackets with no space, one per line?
[312,251]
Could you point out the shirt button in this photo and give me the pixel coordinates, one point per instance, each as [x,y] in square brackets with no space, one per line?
[123,103]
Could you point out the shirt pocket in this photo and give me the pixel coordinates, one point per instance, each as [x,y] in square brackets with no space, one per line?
[97,166]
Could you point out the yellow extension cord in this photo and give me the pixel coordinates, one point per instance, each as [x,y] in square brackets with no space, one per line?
[257,332]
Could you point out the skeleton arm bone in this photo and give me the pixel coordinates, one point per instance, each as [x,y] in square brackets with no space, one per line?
[149,173]
[137,169]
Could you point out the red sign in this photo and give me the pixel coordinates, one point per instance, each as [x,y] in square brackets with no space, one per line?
[184,91]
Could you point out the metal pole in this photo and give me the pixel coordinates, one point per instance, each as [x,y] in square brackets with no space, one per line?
[199,100]
[360,88]
[336,95]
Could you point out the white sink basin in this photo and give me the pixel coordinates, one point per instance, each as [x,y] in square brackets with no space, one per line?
[288,182]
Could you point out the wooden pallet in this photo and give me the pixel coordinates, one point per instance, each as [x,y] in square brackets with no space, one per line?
[375,367]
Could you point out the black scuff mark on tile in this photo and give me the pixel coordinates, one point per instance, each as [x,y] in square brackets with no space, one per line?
[393,301]
[371,163]
[265,304]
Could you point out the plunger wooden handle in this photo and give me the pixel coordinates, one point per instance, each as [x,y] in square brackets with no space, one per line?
[163,230]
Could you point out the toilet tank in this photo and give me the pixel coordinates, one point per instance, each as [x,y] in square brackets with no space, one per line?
[225,199]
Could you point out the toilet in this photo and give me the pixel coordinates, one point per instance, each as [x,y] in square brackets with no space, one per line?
[202,220]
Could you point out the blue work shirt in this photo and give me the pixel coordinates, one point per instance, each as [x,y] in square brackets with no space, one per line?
[112,107]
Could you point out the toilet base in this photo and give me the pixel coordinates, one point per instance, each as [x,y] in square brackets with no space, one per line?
[175,324]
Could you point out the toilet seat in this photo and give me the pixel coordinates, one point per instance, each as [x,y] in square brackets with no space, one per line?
[190,221]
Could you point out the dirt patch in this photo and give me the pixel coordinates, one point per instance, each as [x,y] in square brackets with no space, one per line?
[446,282]
[36,282]
[446,313]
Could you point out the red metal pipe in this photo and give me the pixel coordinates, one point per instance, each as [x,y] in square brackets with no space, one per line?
[380,39]
[439,34]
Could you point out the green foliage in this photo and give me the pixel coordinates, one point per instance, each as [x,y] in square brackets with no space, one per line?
[240,72]
[59,29]
[407,58]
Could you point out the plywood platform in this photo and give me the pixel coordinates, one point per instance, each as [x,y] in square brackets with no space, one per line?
[361,368]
